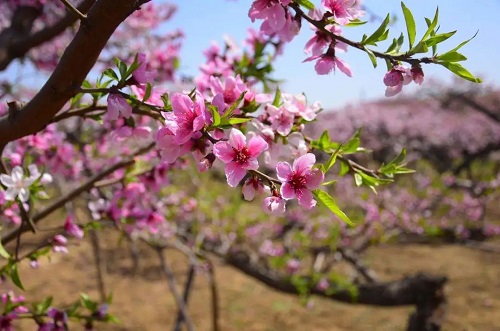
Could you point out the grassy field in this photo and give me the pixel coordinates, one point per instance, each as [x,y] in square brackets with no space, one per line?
[142,300]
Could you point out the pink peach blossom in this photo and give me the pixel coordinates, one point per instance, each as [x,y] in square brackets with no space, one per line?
[238,156]
[300,179]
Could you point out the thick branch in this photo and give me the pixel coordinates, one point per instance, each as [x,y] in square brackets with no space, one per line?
[15,44]
[76,62]
[406,291]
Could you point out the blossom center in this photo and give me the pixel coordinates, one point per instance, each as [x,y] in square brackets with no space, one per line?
[229,96]
[241,156]
[297,181]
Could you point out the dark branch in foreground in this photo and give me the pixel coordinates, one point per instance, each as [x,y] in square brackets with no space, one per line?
[17,39]
[420,290]
[76,62]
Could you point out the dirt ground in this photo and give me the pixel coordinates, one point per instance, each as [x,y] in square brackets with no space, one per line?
[142,300]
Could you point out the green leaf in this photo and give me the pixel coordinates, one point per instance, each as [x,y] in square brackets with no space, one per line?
[277,98]
[233,106]
[356,22]
[133,66]
[122,67]
[358,180]
[147,94]
[330,203]
[451,57]
[88,303]
[215,116]
[238,120]
[464,43]
[86,84]
[344,168]
[42,307]
[305,3]
[331,161]
[395,47]
[14,275]
[353,144]
[410,24]
[323,142]
[379,34]
[372,57]
[110,73]
[432,25]
[438,38]
[421,47]
[3,252]
[333,181]
[460,71]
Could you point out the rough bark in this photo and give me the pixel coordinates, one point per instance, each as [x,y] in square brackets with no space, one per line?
[17,39]
[76,62]
[423,291]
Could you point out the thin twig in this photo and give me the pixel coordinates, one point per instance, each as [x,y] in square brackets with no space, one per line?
[172,284]
[74,10]
[320,25]
[185,295]
[96,248]
[215,297]
[360,267]
[76,192]
[194,259]
[3,167]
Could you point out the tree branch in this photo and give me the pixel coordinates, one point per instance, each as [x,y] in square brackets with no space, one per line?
[172,284]
[76,62]
[406,291]
[15,44]
[75,193]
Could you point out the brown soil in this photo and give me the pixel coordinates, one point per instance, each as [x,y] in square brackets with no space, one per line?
[142,300]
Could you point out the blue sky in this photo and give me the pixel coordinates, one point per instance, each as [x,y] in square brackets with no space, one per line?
[203,21]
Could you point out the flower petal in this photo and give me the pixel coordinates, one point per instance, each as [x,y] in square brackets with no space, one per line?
[257,145]
[343,66]
[11,194]
[303,163]
[6,180]
[181,103]
[17,174]
[287,191]
[224,151]
[248,190]
[284,171]
[234,174]
[306,198]
[24,194]
[237,139]
[314,178]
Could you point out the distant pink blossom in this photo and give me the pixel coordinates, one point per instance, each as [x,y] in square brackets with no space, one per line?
[281,119]
[73,229]
[59,243]
[300,179]
[238,156]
